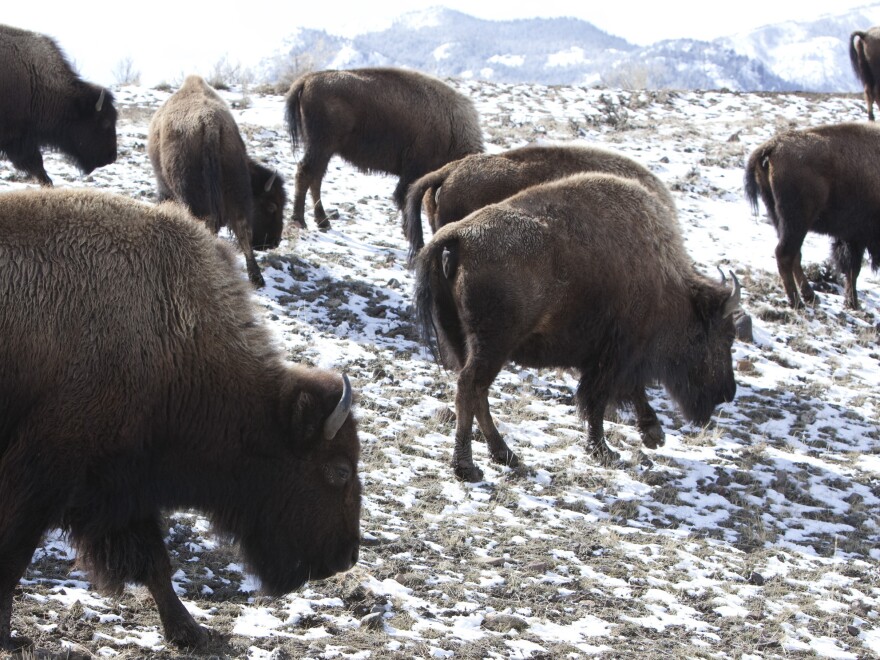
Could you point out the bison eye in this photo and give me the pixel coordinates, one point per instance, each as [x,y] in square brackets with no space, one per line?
[272,208]
[337,473]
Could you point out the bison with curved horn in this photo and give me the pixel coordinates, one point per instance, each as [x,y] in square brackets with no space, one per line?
[380,120]
[44,103]
[587,272]
[468,184]
[822,179]
[135,378]
[200,159]
[864,55]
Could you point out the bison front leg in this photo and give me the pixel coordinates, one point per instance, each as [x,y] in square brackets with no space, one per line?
[848,257]
[29,160]
[137,554]
[592,404]
[649,426]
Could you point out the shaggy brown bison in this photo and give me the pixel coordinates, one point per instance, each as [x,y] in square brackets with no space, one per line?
[822,179]
[475,181]
[200,159]
[136,378]
[588,272]
[864,55]
[379,120]
[44,103]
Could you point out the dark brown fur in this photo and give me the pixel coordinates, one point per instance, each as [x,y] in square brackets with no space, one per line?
[864,55]
[135,378]
[468,184]
[200,159]
[44,103]
[587,272]
[826,180]
[380,120]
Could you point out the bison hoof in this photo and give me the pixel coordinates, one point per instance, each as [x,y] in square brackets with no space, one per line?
[187,636]
[468,472]
[653,436]
[604,454]
[15,643]
[506,457]
[809,296]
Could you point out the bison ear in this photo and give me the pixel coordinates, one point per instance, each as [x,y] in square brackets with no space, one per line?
[319,412]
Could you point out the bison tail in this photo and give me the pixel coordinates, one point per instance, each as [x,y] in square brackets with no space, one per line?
[293,114]
[857,59]
[436,311]
[412,209]
[756,171]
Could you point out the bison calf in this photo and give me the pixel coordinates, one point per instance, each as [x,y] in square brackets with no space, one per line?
[136,378]
[44,103]
[468,184]
[822,179]
[200,159]
[587,272]
[380,120]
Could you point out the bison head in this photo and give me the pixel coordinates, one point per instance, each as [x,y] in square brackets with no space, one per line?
[90,137]
[307,524]
[705,378]
[267,187]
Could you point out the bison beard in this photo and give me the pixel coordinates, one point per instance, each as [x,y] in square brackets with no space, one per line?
[546,279]
[148,385]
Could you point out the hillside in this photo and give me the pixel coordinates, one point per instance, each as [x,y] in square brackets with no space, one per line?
[806,56]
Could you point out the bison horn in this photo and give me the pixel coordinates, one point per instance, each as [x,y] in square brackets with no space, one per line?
[100,102]
[733,302]
[723,279]
[340,413]
[271,181]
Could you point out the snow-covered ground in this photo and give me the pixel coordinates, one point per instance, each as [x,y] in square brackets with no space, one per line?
[755,537]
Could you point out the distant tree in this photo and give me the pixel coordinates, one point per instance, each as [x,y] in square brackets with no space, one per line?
[124,72]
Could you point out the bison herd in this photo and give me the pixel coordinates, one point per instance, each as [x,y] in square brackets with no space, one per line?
[136,378]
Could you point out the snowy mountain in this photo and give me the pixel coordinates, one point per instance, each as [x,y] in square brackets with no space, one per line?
[789,56]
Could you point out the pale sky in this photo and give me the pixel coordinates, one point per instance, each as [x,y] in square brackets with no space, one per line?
[166,40]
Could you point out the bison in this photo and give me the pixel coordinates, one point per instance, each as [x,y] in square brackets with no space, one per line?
[44,103]
[587,272]
[864,55]
[380,120]
[200,159]
[475,181]
[822,179]
[135,378]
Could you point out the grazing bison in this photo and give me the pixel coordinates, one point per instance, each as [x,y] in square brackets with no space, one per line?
[468,184]
[135,378]
[822,179]
[380,120]
[587,272]
[199,159]
[44,103]
[864,55]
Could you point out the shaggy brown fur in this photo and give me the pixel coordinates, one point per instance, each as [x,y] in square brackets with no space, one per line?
[587,272]
[44,103]
[468,184]
[864,55]
[135,378]
[199,159]
[823,179]
[380,120]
